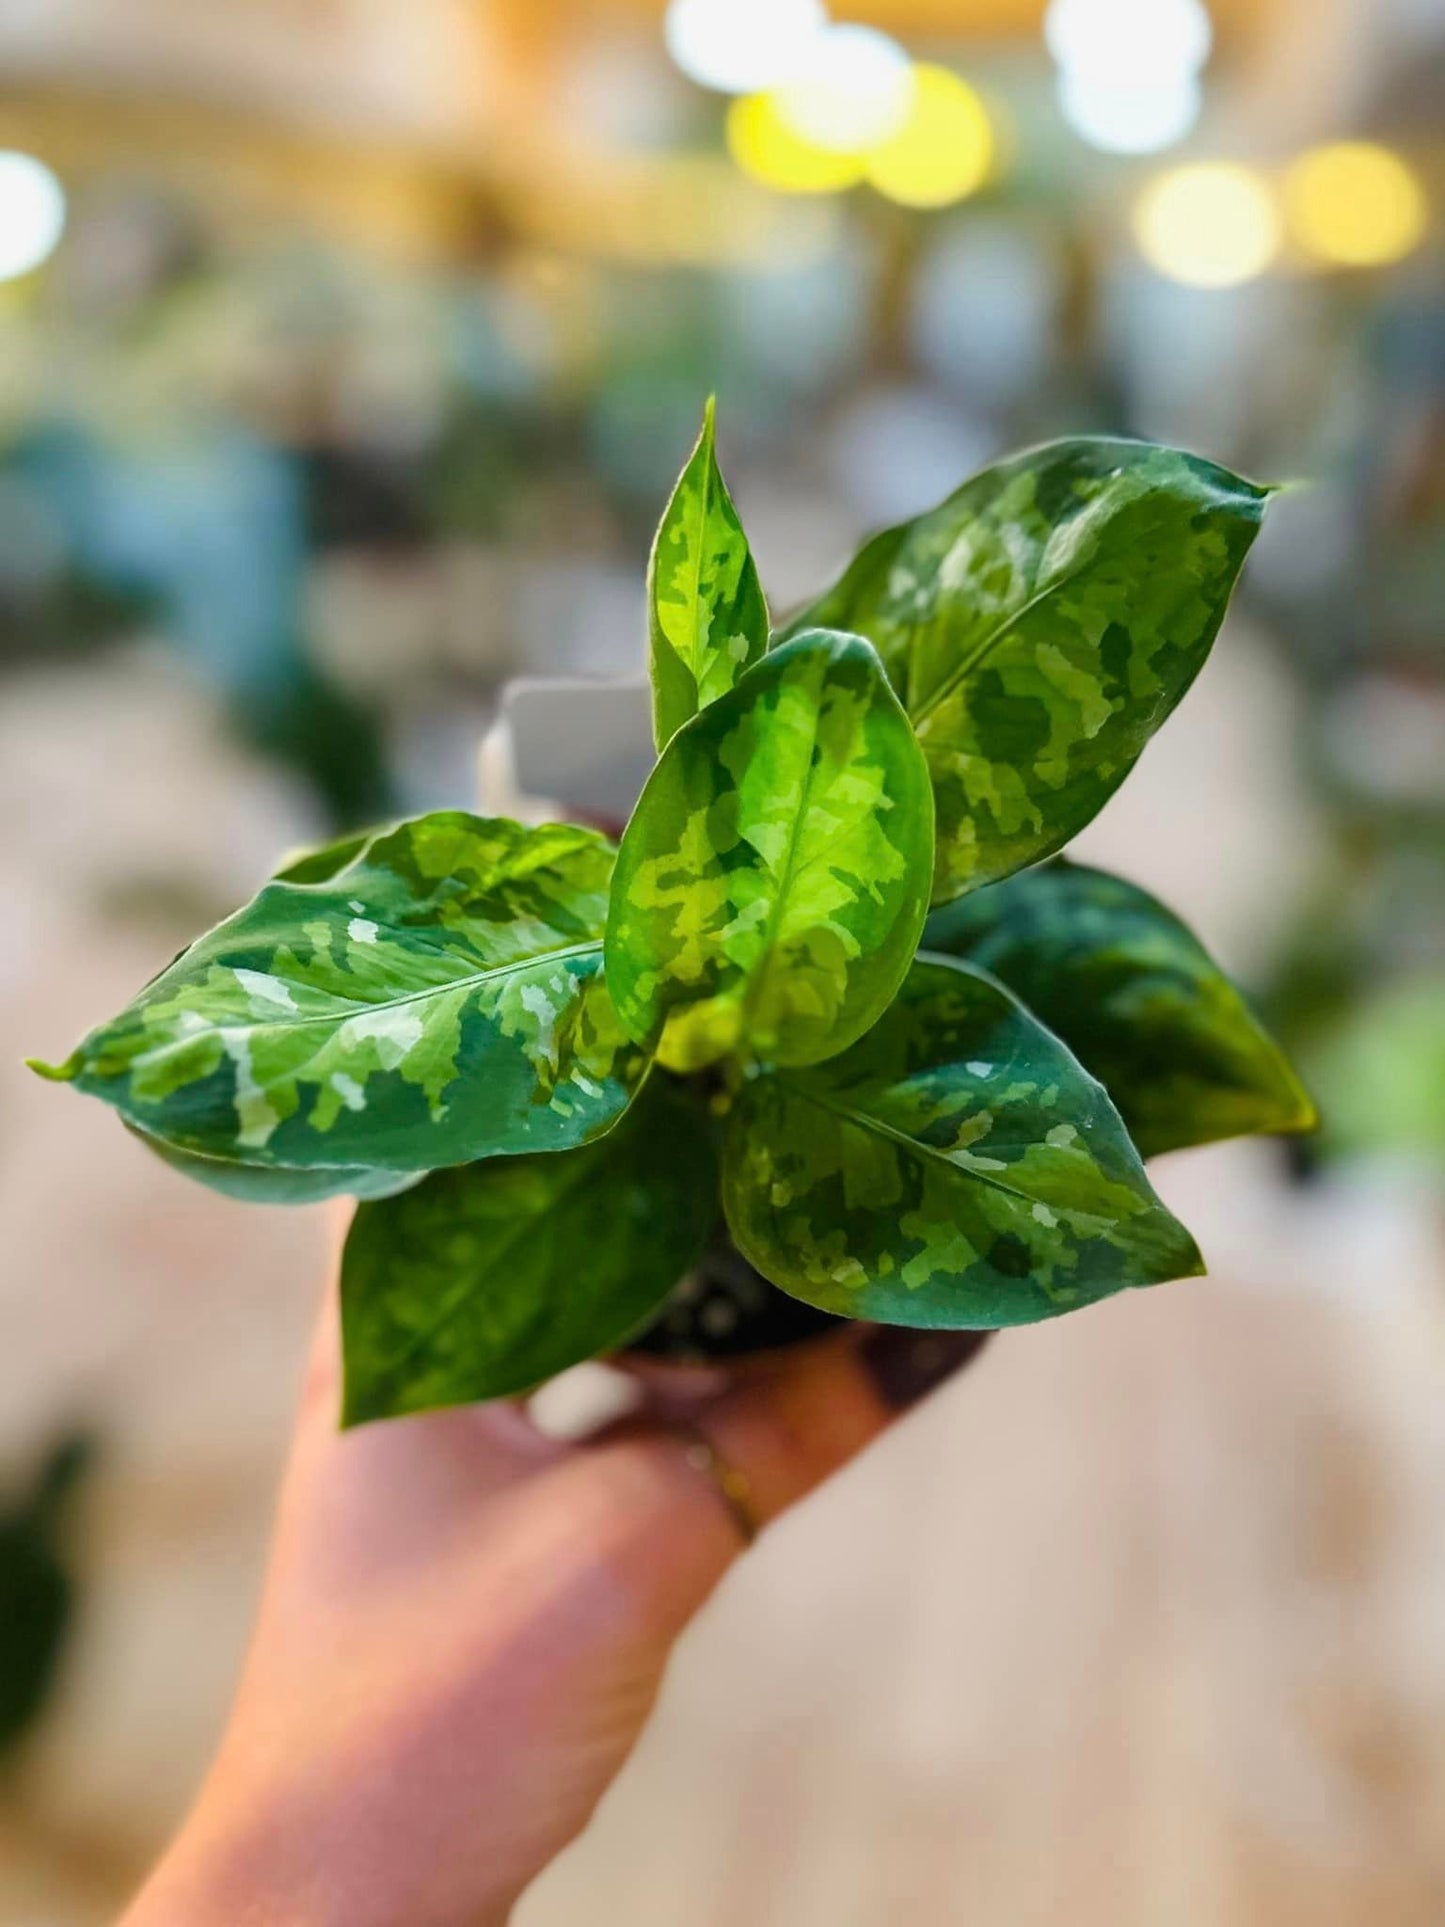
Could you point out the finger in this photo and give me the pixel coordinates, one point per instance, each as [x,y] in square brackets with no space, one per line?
[669,1524]
[779,1436]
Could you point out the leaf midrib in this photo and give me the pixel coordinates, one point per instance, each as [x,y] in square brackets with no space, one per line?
[786,877]
[699,549]
[970,662]
[466,983]
[866,1121]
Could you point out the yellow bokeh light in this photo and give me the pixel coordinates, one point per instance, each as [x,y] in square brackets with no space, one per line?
[1212,225]
[945,149]
[1355,205]
[766,147]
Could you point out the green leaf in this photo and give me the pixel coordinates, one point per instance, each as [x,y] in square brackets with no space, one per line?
[1136,997]
[706,615]
[488,1279]
[278,1184]
[957,1167]
[319,862]
[1039,626]
[437,997]
[773,879]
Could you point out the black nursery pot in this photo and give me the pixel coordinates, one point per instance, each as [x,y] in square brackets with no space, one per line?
[724,1310]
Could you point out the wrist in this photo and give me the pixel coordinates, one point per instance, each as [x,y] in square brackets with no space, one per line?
[217,1874]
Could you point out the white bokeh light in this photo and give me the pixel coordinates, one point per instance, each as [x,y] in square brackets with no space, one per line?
[1130,120]
[32,213]
[743,46]
[1129,43]
[854,92]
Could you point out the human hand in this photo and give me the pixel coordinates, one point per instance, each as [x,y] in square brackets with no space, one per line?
[465,1624]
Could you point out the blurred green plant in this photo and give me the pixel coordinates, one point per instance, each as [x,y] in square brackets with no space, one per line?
[37,1593]
[549,1064]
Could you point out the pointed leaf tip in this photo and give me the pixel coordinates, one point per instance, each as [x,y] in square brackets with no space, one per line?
[438,998]
[706,612]
[1136,997]
[1040,625]
[53,1073]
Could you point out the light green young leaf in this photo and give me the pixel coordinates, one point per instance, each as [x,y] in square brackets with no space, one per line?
[1136,997]
[707,618]
[488,1279]
[956,1168]
[773,879]
[437,997]
[1039,626]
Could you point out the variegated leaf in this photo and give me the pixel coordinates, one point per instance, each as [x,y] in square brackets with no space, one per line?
[488,1279]
[435,998]
[773,879]
[706,615]
[1136,997]
[957,1167]
[1039,626]
[278,1184]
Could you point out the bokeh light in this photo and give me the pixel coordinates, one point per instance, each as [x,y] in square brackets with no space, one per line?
[1215,224]
[742,46]
[32,214]
[1129,43]
[766,148]
[854,91]
[945,149]
[1354,204]
[1129,119]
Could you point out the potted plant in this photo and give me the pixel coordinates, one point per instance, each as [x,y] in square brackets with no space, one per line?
[833,990]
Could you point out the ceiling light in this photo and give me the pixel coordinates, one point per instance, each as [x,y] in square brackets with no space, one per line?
[766,147]
[1130,119]
[1355,205]
[853,92]
[741,46]
[32,213]
[1212,225]
[944,150]
[1126,43]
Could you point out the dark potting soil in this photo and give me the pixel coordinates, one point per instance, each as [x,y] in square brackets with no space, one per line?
[726,1309]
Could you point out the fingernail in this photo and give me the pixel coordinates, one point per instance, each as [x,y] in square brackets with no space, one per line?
[905,1366]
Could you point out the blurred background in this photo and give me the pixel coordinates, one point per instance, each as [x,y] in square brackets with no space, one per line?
[348,349]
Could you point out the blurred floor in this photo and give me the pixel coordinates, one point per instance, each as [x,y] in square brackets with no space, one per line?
[1138,1625]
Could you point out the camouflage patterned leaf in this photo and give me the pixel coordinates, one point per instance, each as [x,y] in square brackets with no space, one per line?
[488,1279]
[278,1184]
[706,614]
[1136,997]
[775,872]
[436,998]
[1039,626]
[957,1167]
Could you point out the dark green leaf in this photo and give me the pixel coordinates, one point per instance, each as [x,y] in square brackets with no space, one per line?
[1136,997]
[488,1279]
[957,1167]
[775,873]
[279,1184]
[1039,626]
[706,615]
[436,998]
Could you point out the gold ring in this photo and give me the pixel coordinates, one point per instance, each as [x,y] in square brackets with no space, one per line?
[732,1487]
